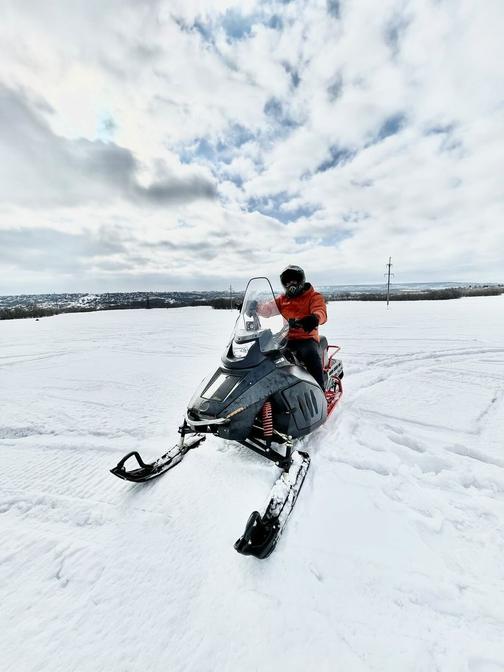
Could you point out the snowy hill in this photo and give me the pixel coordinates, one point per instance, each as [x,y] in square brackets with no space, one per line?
[392,559]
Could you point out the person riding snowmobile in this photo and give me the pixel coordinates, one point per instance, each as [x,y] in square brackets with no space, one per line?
[305,309]
[261,399]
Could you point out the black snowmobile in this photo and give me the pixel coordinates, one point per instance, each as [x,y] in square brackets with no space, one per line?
[260,397]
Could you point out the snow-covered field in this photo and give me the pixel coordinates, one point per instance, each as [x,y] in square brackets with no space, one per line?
[393,559]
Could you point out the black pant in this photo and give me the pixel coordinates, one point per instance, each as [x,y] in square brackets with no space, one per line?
[308,352]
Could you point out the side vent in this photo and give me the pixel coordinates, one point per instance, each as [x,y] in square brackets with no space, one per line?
[309,403]
[303,408]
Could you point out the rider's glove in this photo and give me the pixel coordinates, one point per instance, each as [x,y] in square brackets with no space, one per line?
[309,323]
[251,308]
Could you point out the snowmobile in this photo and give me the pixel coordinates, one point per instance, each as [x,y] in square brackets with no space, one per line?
[263,398]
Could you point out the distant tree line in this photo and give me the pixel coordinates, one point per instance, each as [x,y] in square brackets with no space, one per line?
[226,304]
[424,295]
[34,311]
[20,312]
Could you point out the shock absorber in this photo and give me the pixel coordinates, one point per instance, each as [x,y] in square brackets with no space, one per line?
[267,419]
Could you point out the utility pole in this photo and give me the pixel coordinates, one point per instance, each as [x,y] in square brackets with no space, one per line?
[388,274]
[231,297]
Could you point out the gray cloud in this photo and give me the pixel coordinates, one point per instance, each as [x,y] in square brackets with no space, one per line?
[51,250]
[59,253]
[395,31]
[176,190]
[335,88]
[334,8]
[207,248]
[42,168]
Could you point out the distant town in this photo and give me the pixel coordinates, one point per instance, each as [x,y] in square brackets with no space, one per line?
[42,305]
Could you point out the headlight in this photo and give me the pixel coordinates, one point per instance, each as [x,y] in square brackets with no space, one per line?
[240,350]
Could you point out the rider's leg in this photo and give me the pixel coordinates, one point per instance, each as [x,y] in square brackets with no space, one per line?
[308,352]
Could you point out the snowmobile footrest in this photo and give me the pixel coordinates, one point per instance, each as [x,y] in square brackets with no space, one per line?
[263,531]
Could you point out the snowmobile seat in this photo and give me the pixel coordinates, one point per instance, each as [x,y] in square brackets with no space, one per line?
[323,351]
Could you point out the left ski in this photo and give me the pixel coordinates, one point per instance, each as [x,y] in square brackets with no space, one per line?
[149,470]
[262,532]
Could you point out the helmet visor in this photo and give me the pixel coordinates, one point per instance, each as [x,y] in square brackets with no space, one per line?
[292,275]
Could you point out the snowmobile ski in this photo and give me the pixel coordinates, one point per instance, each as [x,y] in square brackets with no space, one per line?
[147,471]
[263,531]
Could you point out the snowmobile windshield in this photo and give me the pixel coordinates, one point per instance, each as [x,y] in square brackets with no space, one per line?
[260,320]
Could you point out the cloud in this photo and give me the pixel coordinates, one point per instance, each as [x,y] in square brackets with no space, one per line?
[177,190]
[42,168]
[48,249]
[281,207]
[334,8]
[218,138]
[395,31]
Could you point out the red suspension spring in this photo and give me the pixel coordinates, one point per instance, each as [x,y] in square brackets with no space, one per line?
[267,418]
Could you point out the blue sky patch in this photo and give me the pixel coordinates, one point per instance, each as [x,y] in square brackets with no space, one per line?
[236,25]
[338,156]
[294,74]
[272,207]
[391,126]
[330,240]
[204,30]
[337,237]
[275,110]
[238,135]
[217,151]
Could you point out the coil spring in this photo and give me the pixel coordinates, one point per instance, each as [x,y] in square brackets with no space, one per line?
[267,418]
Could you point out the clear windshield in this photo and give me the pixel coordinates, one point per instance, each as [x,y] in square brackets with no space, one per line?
[260,319]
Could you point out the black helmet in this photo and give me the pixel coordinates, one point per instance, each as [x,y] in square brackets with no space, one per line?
[293,279]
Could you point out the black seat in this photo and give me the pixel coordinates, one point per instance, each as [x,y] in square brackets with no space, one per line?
[323,351]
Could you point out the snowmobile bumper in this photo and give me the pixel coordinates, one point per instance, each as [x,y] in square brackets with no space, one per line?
[208,422]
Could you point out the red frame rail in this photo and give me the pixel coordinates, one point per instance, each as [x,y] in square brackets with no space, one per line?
[333,396]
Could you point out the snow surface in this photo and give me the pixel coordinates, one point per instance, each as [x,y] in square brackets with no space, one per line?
[393,558]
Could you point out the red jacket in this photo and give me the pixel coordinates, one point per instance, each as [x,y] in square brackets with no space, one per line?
[309,302]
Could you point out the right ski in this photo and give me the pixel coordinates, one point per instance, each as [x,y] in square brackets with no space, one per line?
[147,471]
[262,532]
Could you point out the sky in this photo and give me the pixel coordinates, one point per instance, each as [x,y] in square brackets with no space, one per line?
[183,144]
